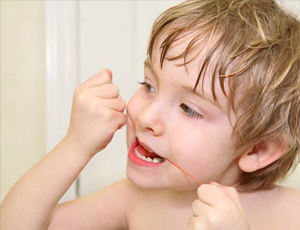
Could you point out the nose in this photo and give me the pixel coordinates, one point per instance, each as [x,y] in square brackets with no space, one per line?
[151,119]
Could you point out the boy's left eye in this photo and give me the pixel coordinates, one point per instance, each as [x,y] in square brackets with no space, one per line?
[190,112]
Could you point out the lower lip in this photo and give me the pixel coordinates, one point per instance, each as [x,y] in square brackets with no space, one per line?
[138,161]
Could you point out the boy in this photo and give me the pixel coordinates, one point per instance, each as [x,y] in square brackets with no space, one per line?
[220,99]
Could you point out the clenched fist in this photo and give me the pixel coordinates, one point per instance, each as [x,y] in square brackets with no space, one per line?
[218,208]
[97,113]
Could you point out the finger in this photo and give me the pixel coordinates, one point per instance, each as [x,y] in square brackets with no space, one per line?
[199,208]
[121,120]
[212,195]
[196,223]
[117,104]
[106,91]
[103,77]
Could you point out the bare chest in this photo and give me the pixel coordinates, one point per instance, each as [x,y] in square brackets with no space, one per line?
[161,218]
[167,218]
[168,221]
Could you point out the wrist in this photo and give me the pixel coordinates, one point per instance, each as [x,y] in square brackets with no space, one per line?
[76,148]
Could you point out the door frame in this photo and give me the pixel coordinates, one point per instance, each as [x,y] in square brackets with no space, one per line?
[62,72]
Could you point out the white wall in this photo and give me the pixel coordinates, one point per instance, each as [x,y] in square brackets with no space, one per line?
[22,88]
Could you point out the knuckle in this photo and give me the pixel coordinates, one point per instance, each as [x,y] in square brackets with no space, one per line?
[79,95]
[196,224]
[121,123]
[115,89]
[195,204]
[94,106]
[122,103]
[124,119]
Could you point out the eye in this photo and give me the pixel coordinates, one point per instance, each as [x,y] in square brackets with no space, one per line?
[148,88]
[190,112]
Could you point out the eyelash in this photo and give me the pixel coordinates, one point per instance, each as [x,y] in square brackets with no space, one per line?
[187,110]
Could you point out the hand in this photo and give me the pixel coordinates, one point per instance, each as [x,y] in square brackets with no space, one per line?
[218,208]
[97,113]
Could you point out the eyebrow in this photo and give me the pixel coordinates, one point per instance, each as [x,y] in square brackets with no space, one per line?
[147,63]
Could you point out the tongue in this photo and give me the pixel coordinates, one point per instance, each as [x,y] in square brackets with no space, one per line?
[145,152]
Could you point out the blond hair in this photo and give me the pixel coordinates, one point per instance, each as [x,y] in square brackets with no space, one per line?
[260,42]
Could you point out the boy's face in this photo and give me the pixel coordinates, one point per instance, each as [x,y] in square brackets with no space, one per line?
[179,125]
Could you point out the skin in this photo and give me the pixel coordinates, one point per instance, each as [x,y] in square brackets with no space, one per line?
[158,198]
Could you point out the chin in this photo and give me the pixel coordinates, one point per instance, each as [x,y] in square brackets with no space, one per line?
[141,181]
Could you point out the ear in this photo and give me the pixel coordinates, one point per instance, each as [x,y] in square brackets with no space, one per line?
[263,154]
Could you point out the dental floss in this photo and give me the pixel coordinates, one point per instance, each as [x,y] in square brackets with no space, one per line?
[185,172]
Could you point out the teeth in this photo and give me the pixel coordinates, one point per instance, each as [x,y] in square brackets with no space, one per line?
[157,160]
[148,159]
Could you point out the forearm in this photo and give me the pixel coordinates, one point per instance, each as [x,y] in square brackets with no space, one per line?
[32,199]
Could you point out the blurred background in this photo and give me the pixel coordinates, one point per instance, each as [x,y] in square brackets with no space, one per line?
[47,49]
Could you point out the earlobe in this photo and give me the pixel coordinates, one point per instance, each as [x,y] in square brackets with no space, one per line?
[263,154]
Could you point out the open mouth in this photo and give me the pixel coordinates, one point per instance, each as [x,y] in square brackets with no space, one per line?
[146,154]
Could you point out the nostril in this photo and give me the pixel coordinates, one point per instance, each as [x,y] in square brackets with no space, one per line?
[150,130]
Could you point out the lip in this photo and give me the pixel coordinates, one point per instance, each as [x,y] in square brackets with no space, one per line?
[136,160]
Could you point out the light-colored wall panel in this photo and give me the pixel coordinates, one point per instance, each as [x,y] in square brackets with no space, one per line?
[61,72]
[22,89]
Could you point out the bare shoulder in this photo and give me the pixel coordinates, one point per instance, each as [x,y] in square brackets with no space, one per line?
[275,208]
[288,207]
[289,197]
[104,209]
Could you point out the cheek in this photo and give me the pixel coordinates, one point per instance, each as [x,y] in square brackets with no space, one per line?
[201,149]
[133,109]
[134,106]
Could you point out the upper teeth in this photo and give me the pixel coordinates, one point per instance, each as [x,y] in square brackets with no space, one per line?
[148,159]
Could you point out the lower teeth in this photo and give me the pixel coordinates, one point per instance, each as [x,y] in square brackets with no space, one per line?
[148,159]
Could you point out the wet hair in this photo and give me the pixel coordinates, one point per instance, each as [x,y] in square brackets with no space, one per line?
[254,48]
